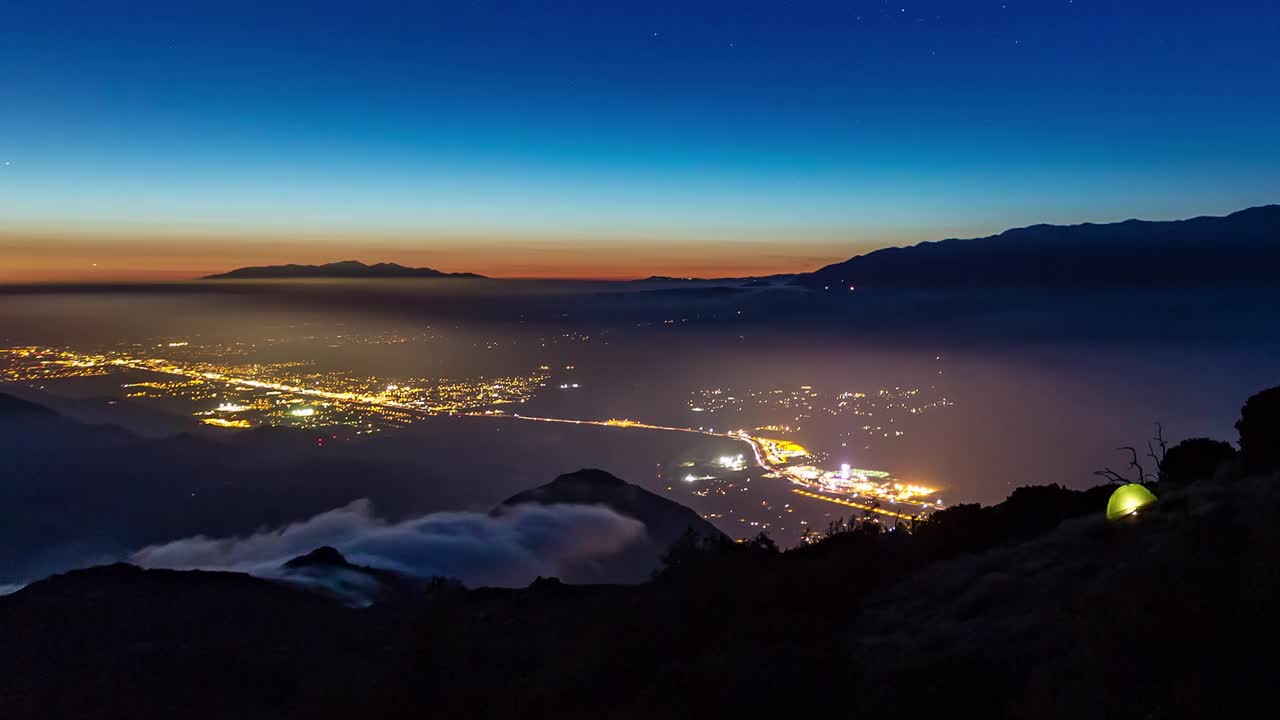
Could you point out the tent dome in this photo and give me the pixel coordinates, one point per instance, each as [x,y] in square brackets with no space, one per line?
[1127,500]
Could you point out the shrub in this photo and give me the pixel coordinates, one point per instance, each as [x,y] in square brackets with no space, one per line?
[1194,459]
[1259,428]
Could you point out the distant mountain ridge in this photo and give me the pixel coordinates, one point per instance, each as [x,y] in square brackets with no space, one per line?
[343,269]
[1239,250]
[751,280]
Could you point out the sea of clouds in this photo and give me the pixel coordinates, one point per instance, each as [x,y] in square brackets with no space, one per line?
[508,549]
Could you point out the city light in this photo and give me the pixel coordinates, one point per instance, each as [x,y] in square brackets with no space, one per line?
[293,394]
[250,388]
[736,463]
[224,423]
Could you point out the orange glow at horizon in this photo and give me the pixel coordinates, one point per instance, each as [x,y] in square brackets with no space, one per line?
[87,258]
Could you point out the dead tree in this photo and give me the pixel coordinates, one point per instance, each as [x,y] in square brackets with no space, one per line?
[1160,443]
[1140,473]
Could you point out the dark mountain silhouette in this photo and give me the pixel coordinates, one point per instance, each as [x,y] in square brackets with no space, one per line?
[755,281]
[664,518]
[696,292]
[1239,250]
[344,269]
[665,521]
[323,557]
[328,572]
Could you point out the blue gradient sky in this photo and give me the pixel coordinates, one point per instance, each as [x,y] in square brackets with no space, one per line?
[611,139]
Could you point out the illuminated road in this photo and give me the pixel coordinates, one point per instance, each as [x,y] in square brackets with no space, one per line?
[756,450]
[850,503]
[613,423]
[459,396]
[167,368]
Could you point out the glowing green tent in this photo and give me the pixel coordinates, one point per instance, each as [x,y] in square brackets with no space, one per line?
[1127,500]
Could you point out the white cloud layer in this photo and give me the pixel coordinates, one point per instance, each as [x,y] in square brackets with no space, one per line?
[507,550]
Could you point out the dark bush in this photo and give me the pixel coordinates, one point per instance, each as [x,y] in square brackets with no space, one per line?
[1194,459]
[1259,428]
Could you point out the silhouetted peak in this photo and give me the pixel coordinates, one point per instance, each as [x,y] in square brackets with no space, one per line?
[114,570]
[589,476]
[1260,212]
[325,556]
[348,269]
[664,520]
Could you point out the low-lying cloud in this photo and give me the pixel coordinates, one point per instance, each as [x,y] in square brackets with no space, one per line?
[509,549]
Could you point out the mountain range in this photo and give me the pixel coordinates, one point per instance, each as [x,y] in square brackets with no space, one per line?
[1238,250]
[343,269]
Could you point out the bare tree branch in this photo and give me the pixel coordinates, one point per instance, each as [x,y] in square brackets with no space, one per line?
[1164,449]
[1134,464]
[1111,475]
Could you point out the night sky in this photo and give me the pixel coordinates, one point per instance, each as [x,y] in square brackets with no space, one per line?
[611,139]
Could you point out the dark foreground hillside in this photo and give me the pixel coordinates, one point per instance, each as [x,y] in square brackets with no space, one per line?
[1035,608]
[1169,616]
